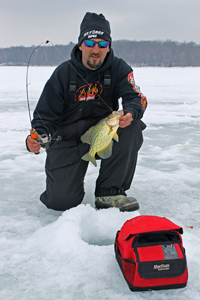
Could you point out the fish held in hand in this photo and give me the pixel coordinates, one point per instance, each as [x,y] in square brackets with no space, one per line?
[100,137]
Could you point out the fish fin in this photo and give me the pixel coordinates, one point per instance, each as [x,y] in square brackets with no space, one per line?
[116,137]
[88,157]
[86,137]
[106,152]
[110,131]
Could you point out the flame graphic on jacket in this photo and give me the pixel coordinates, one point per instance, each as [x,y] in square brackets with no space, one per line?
[136,88]
[86,94]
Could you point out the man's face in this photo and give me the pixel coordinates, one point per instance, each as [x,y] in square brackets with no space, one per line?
[93,57]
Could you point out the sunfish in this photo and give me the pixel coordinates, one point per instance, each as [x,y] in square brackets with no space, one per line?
[100,137]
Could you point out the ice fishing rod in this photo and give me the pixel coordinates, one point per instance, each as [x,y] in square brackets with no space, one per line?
[46,139]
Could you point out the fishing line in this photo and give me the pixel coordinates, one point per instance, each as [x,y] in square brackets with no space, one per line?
[27,84]
[45,140]
[81,76]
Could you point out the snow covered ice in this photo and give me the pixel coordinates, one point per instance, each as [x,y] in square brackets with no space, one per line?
[49,255]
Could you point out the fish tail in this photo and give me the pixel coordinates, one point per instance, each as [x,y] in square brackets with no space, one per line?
[88,157]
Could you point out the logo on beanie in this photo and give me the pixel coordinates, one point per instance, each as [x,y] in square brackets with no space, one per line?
[92,34]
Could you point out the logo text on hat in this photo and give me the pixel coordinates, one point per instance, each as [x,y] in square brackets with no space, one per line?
[93,33]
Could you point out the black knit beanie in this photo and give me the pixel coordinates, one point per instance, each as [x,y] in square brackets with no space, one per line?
[94,26]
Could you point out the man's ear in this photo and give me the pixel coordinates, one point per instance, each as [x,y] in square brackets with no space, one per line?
[80,48]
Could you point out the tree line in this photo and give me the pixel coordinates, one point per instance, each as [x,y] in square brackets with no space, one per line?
[136,53]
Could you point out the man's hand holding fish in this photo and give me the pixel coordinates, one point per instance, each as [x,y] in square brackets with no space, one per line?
[125,120]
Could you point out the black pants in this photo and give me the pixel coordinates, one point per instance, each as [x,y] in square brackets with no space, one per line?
[65,170]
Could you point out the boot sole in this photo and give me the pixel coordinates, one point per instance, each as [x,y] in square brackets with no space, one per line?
[128,208]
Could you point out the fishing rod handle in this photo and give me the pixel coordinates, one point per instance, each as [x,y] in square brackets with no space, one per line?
[34,136]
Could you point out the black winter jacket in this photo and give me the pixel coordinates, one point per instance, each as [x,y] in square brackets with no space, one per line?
[56,109]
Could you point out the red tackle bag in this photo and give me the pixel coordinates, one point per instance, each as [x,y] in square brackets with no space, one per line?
[151,255]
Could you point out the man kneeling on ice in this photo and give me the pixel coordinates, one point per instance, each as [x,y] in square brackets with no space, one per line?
[79,94]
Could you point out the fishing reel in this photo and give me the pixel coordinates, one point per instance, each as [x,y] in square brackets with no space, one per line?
[45,139]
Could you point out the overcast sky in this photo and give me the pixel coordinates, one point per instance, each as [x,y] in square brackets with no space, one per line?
[31,22]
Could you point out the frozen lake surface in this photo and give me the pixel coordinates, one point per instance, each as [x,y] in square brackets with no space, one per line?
[47,255]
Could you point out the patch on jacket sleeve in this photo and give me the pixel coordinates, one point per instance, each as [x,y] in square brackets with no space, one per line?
[143,101]
[131,80]
[136,88]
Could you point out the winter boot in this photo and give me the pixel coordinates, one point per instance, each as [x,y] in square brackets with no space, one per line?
[122,202]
